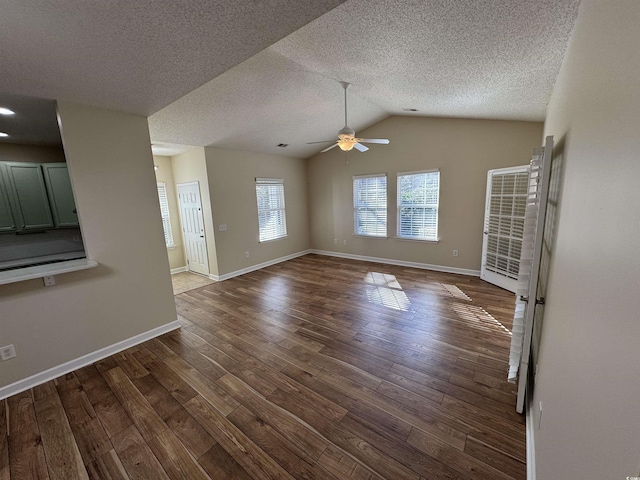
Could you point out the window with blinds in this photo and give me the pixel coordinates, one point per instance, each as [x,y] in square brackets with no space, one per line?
[370,205]
[272,220]
[418,194]
[164,211]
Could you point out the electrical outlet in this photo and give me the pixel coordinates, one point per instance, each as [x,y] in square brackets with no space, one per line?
[344,242]
[335,241]
[49,280]
[246,254]
[455,253]
[7,352]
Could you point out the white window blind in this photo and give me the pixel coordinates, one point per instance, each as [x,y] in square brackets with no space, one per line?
[418,194]
[272,220]
[164,211]
[370,205]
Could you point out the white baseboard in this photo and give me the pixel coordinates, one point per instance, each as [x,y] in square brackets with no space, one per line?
[401,263]
[253,268]
[179,270]
[531,454]
[83,361]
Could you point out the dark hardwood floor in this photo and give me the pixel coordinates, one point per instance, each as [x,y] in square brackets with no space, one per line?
[314,368]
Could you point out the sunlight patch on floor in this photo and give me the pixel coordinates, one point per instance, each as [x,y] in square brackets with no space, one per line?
[455,292]
[385,290]
[470,312]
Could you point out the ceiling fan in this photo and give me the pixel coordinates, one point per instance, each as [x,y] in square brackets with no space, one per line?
[347,139]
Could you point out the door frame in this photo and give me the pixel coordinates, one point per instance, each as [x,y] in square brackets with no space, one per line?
[184,243]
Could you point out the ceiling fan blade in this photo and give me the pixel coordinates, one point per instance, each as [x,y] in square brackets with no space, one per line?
[360,147]
[324,141]
[329,148]
[382,141]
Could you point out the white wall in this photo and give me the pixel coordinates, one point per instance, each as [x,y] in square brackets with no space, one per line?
[589,363]
[111,167]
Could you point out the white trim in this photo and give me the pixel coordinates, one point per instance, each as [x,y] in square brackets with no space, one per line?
[83,361]
[40,271]
[273,239]
[531,447]
[360,235]
[275,181]
[401,263]
[415,239]
[253,268]
[369,175]
[179,270]
[431,170]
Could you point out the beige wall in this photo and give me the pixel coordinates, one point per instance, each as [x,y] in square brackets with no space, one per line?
[589,369]
[129,293]
[164,173]
[11,152]
[233,195]
[191,166]
[463,150]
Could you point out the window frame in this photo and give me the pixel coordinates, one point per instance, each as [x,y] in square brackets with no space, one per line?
[165,215]
[357,206]
[259,181]
[400,205]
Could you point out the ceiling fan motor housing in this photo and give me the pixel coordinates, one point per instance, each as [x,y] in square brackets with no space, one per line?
[347,131]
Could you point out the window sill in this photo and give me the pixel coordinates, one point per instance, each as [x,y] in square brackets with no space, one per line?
[370,236]
[421,240]
[40,271]
[273,239]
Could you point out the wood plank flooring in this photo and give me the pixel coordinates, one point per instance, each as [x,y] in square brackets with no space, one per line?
[316,368]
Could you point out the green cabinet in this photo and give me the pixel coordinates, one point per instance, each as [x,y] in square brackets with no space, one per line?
[28,195]
[35,196]
[63,206]
[7,223]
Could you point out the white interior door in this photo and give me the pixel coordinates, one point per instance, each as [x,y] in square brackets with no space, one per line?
[195,245]
[506,201]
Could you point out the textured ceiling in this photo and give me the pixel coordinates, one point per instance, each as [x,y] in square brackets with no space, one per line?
[136,56]
[468,58]
[224,73]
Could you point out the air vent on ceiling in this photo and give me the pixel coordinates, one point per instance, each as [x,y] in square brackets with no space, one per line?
[410,109]
[282,145]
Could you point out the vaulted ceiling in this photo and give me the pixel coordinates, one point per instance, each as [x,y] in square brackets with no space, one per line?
[248,74]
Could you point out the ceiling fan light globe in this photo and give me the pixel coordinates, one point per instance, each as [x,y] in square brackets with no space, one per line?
[346,144]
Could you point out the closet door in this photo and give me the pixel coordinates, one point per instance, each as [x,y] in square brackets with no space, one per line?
[28,195]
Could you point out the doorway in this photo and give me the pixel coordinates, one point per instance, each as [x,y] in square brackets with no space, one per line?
[505,205]
[195,244]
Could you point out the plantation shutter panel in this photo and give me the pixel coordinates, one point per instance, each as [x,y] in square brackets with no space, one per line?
[527,290]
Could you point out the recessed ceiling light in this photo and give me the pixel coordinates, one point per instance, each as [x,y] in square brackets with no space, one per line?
[2,134]
[6,111]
